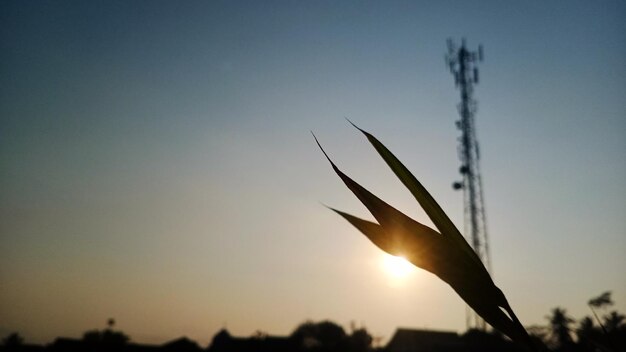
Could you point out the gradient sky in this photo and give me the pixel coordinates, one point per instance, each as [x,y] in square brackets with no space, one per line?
[156,162]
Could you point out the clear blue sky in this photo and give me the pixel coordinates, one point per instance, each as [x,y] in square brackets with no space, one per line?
[156,164]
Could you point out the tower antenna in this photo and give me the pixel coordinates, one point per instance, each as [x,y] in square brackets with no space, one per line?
[463,66]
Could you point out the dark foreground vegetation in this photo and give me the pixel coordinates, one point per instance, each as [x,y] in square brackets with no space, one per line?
[604,330]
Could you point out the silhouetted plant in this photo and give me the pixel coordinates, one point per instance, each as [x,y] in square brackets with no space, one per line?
[13,340]
[360,341]
[322,336]
[589,336]
[560,323]
[602,301]
[328,336]
[107,336]
[614,321]
[445,254]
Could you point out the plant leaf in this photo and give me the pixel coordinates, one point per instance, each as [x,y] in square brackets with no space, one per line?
[423,246]
[446,255]
[372,231]
[422,254]
[432,209]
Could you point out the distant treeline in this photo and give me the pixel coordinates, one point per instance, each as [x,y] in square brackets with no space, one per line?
[604,332]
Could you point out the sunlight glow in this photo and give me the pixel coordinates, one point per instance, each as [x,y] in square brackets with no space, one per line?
[397,267]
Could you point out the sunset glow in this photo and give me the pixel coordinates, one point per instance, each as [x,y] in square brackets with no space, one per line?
[397,267]
[158,167]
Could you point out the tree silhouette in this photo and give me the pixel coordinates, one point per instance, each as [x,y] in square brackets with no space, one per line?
[107,336]
[589,336]
[327,336]
[560,324]
[614,321]
[602,300]
[322,336]
[12,340]
[360,340]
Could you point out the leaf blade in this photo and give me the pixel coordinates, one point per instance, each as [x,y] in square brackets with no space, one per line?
[423,197]
[448,254]
[422,254]
[373,231]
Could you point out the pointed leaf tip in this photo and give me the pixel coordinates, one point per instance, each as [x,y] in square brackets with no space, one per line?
[428,203]
[355,126]
[447,255]
[322,149]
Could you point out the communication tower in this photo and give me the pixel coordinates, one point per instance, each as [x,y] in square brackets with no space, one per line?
[462,64]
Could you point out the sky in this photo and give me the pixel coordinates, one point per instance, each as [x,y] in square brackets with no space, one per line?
[157,165]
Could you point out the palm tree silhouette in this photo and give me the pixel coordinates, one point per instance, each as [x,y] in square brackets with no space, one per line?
[560,324]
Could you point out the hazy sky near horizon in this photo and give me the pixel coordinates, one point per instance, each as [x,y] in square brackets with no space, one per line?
[156,162]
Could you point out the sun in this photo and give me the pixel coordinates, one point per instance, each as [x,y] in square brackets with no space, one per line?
[397,267]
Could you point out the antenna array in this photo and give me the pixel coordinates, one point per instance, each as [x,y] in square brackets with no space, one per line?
[463,66]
